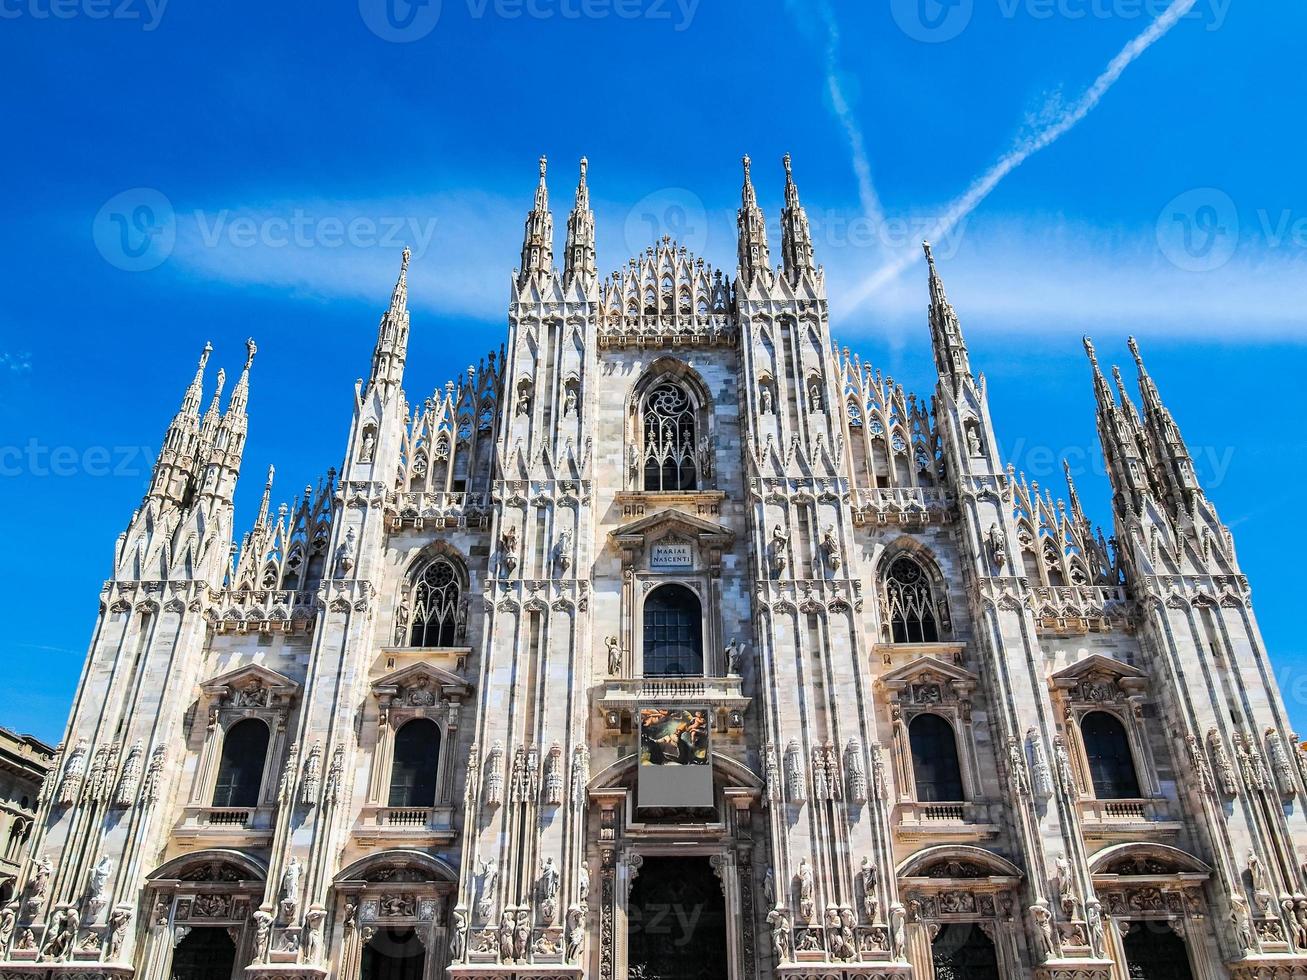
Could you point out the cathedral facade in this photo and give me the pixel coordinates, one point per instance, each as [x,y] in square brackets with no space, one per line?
[671,641]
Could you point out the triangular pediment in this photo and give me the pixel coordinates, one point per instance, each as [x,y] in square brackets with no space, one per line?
[413,683]
[671,519]
[248,683]
[931,668]
[1096,664]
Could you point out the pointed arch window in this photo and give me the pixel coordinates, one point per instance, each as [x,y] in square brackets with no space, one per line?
[670,439]
[910,603]
[1111,763]
[673,633]
[935,765]
[415,764]
[240,773]
[436,597]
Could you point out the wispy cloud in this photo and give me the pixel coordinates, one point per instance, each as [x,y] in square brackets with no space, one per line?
[12,362]
[1060,121]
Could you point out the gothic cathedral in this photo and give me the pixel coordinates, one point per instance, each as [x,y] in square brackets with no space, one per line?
[671,642]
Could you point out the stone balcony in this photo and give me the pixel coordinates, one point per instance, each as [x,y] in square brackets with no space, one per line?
[1078,608]
[411,825]
[1146,819]
[902,505]
[680,327]
[261,611]
[618,698]
[951,821]
[438,509]
[245,825]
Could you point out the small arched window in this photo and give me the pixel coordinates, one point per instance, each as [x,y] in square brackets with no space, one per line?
[435,606]
[240,773]
[1111,763]
[910,603]
[935,765]
[416,759]
[673,633]
[670,439]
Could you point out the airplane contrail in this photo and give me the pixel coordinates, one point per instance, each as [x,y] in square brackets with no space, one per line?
[1025,148]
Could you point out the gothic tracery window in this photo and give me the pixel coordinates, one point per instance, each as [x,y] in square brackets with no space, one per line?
[910,603]
[670,439]
[435,606]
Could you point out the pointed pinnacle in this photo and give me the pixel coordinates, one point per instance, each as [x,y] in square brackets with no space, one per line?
[1089,349]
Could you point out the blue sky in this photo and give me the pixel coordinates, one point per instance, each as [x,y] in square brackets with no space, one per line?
[284,152]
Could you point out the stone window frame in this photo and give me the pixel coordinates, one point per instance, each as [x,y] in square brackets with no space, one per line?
[938,591]
[909,696]
[397,705]
[440,550]
[662,370]
[249,692]
[699,584]
[1098,683]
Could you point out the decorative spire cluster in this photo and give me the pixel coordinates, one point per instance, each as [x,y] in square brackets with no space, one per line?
[755,257]
[950,346]
[580,258]
[392,334]
[538,239]
[796,236]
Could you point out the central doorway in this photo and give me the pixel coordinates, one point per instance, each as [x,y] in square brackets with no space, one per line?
[393,954]
[676,922]
[1154,952]
[205,954]
[962,951]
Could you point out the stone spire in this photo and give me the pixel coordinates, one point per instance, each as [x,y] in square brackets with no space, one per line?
[755,258]
[1175,465]
[580,257]
[392,334]
[1118,431]
[538,239]
[240,395]
[796,236]
[175,467]
[946,338]
[266,502]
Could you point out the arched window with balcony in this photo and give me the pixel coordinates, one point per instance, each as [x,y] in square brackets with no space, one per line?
[1111,763]
[673,633]
[935,765]
[414,764]
[670,435]
[435,606]
[240,773]
[910,602]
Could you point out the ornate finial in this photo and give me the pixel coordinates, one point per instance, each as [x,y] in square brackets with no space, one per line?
[543,163]
[747,164]
[585,166]
[786,161]
[222,381]
[252,350]
[1134,350]
[204,354]
[930,257]
[272,471]
[1089,349]
[403,261]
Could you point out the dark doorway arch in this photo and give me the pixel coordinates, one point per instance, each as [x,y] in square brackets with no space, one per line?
[1154,952]
[1111,763]
[673,633]
[240,774]
[413,768]
[206,953]
[393,954]
[935,765]
[962,951]
[676,921]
